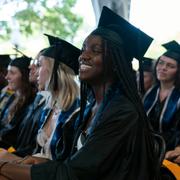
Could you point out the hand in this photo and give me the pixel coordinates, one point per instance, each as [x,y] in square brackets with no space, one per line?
[177,160]
[3,178]
[174,155]
[33,160]
[6,156]
[2,162]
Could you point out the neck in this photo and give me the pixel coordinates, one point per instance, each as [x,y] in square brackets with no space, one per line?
[99,91]
[166,85]
[165,90]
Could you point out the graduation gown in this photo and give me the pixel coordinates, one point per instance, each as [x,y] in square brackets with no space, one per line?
[28,128]
[57,134]
[164,116]
[117,148]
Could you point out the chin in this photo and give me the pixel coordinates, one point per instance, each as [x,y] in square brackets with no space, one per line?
[162,79]
[82,77]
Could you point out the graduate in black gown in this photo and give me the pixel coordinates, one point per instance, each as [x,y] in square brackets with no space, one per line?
[111,138]
[162,101]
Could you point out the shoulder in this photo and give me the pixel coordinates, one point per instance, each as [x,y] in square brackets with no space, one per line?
[151,92]
[121,107]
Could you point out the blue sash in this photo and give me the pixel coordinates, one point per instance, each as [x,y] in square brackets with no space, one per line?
[170,107]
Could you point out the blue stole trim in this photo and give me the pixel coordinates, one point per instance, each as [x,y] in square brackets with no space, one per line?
[5,110]
[64,115]
[45,114]
[170,107]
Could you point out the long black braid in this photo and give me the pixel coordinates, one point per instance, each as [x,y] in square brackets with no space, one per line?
[122,68]
[131,92]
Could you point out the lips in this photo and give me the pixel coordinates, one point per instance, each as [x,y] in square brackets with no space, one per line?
[85,67]
[162,73]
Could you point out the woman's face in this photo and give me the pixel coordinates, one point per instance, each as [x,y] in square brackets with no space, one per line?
[90,61]
[14,78]
[33,73]
[166,69]
[43,73]
[148,79]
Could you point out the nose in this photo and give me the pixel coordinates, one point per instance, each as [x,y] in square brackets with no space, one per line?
[30,66]
[84,56]
[164,66]
[7,76]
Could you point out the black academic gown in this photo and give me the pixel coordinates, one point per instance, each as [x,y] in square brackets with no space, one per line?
[9,132]
[116,149]
[28,129]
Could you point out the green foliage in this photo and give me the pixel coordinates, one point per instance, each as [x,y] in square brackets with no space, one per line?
[46,16]
[5,30]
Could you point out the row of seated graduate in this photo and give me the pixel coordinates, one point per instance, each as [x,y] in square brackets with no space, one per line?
[42,113]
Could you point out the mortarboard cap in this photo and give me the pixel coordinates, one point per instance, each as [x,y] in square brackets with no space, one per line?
[173,50]
[4,60]
[147,64]
[52,39]
[64,52]
[135,41]
[22,62]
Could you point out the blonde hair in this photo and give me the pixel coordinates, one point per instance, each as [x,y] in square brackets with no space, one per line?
[67,88]
[50,72]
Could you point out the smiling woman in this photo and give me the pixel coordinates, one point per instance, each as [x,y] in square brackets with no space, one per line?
[16,106]
[14,77]
[92,48]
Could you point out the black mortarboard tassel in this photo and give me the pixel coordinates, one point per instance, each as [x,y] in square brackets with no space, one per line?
[173,50]
[4,60]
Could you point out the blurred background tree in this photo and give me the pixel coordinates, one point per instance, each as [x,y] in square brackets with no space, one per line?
[49,16]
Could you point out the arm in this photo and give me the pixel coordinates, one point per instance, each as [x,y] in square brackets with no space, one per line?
[6,156]
[33,160]
[3,177]
[15,171]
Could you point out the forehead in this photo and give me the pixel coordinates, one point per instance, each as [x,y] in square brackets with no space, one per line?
[13,68]
[168,60]
[146,73]
[93,39]
[43,59]
[45,62]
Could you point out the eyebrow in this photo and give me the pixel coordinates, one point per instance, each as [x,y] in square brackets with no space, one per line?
[169,63]
[165,61]
[93,45]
